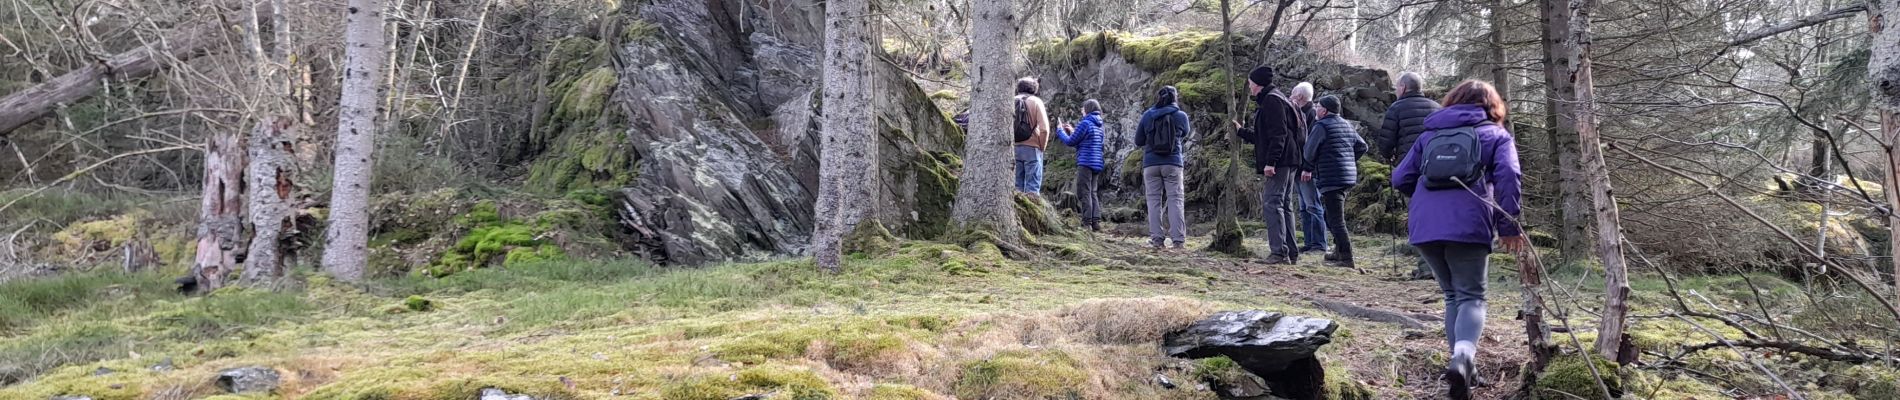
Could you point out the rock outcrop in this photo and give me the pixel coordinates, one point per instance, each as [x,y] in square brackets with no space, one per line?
[699,117]
[1124,72]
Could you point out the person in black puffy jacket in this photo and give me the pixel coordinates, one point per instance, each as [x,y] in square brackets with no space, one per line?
[1332,160]
[1405,120]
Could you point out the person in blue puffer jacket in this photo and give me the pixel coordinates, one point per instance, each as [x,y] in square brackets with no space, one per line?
[1086,138]
[1332,153]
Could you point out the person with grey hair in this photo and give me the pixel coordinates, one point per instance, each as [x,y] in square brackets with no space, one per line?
[1312,212]
[1405,120]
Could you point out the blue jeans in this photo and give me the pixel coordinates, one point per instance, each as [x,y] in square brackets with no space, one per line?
[1028,170]
[1312,217]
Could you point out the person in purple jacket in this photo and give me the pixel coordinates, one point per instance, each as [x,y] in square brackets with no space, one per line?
[1453,227]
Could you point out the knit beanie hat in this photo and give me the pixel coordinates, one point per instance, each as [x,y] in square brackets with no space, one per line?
[1330,103]
[1261,75]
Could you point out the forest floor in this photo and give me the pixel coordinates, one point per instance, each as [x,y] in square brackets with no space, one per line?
[928,321]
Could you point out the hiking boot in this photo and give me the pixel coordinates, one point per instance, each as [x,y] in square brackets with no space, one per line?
[1330,257]
[1280,259]
[1343,262]
[1461,375]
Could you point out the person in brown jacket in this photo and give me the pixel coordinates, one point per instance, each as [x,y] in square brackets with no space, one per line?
[1031,121]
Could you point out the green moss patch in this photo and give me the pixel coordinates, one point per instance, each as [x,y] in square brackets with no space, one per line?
[1026,374]
[1569,375]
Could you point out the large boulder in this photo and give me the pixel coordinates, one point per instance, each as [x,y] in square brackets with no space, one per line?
[1276,347]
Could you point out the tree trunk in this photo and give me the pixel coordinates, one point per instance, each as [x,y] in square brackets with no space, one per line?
[1500,62]
[1573,240]
[846,174]
[985,195]
[461,78]
[1883,69]
[270,188]
[345,249]
[220,211]
[25,106]
[1227,233]
[1611,326]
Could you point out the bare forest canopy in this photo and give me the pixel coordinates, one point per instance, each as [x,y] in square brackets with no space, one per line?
[278,145]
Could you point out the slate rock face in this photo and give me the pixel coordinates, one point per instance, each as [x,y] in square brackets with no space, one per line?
[1276,347]
[719,111]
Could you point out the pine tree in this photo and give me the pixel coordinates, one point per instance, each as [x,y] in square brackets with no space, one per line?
[346,239]
[848,149]
[984,190]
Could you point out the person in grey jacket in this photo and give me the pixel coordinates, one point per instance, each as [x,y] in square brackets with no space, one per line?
[1332,155]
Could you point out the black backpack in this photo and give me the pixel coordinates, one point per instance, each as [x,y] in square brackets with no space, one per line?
[1453,159]
[1024,130]
[1163,136]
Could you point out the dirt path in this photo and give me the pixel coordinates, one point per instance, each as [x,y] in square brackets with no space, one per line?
[1395,360]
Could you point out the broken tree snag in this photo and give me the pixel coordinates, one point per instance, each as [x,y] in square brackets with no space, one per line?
[1530,276]
[269,190]
[220,212]
[22,107]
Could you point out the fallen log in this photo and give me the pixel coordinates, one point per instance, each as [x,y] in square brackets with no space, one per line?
[20,108]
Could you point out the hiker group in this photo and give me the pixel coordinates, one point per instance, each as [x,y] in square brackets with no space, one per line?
[1455,163]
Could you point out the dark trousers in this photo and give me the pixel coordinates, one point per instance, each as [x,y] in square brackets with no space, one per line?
[1334,201]
[1085,195]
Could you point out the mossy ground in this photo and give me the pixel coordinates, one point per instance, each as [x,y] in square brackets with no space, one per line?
[927,320]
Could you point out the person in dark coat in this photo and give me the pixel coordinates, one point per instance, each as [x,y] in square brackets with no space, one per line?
[1164,126]
[1086,138]
[1278,134]
[1405,120]
[1453,227]
[1332,161]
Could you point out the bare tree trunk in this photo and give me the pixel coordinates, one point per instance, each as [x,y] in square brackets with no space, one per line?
[346,239]
[985,198]
[1227,232]
[26,105]
[1573,240]
[1530,275]
[1883,69]
[268,177]
[220,211]
[1611,326]
[1500,62]
[270,188]
[845,169]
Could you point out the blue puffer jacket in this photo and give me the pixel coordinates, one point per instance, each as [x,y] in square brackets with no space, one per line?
[1087,141]
[1333,152]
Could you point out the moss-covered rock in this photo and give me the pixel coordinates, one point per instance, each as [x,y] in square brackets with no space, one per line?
[1569,376]
[101,235]
[870,239]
